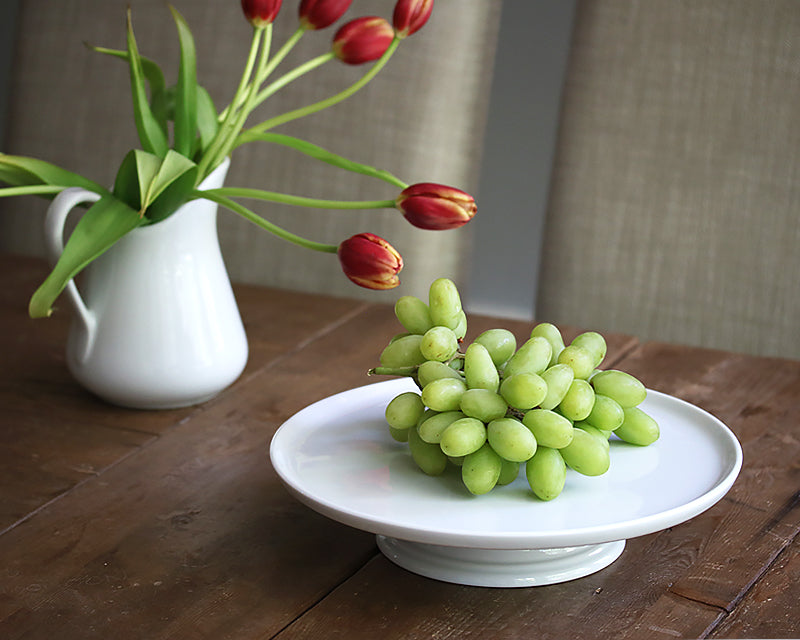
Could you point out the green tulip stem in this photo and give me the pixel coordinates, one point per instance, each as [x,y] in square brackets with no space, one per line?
[299,201]
[319,153]
[261,73]
[257,220]
[332,100]
[291,76]
[209,159]
[30,190]
[276,59]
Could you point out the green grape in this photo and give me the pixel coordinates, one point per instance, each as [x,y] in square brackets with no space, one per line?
[457,364]
[405,410]
[500,343]
[481,470]
[479,370]
[638,427]
[620,386]
[401,435]
[444,303]
[443,394]
[461,327]
[462,437]
[551,333]
[413,314]
[431,370]
[483,404]
[581,360]
[508,472]
[532,357]
[511,439]
[551,429]
[456,460]
[439,344]
[403,352]
[546,473]
[429,457]
[578,402]
[558,378]
[586,454]
[594,431]
[430,429]
[523,390]
[606,413]
[594,343]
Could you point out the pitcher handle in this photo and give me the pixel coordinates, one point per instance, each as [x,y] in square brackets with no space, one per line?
[54,223]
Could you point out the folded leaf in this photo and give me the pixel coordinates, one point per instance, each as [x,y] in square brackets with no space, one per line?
[105,222]
[147,168]
[176,194]
[171,168]
[151,135]
[143,177]
[186,90]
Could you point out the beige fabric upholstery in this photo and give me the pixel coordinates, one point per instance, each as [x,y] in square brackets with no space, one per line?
[675,204]
[422,118]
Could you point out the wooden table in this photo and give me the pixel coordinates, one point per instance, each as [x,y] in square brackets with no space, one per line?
[126,524]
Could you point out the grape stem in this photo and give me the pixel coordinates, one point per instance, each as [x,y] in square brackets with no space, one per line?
[392,371]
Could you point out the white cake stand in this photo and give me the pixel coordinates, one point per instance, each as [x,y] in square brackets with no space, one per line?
[337,457]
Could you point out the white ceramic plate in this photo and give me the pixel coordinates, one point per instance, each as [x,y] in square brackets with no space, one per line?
[337,457]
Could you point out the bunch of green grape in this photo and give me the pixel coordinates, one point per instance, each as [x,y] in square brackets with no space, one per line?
[492,407]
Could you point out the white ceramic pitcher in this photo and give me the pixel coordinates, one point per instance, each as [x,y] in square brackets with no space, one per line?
[156,324]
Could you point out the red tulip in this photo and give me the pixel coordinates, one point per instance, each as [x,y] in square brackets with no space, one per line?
[362,40]
[318,14]
[410,16]
[260,13]
[435,206]
[370,261]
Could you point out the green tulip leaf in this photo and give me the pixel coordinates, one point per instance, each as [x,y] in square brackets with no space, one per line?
[207,122]
[186,93]
[103,224]
[151,135]
[20,171]
[155,80]
[126,183]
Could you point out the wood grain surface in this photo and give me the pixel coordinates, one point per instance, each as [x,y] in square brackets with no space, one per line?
[173,524]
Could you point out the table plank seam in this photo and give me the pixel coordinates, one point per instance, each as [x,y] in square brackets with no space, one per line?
[728,610]
[361,565]
[90,477]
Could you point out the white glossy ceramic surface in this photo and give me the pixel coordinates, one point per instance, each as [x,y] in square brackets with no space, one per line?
[156,324]
[337,457]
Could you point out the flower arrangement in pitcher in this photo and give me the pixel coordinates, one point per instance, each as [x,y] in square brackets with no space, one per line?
[184,138]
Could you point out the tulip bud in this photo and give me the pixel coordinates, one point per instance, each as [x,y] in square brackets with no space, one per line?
[435,206]
[362,40]
[370,261]
[260,13]
[410,16]
[318,14]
